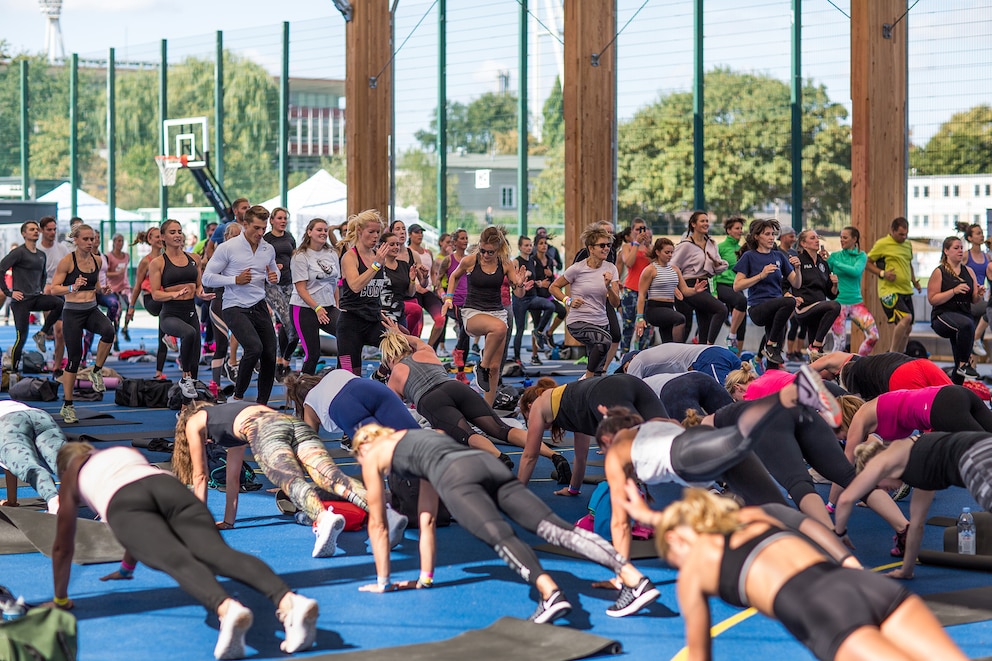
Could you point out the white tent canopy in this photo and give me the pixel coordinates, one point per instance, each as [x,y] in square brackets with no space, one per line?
[89,208]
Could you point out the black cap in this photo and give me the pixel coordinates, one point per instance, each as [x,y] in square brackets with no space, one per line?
[414,228]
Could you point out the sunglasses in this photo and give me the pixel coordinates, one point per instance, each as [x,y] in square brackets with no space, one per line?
[601,245]
[487,252]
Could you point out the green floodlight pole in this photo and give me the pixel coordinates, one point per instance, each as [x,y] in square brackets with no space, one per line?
[797,115]
[218,160]
[163,114]
[111,142]
[698,153]
[442,117]
[73,133]
[284,120]
[522,116]
[25,133]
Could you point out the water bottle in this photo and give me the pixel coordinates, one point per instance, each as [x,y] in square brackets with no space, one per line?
[13,609]
[966,532]
[214,389]
[141,344]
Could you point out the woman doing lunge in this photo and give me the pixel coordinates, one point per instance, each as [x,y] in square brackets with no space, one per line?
[815,306]
[848,264]
[656,293]
[153,237]
[359,323]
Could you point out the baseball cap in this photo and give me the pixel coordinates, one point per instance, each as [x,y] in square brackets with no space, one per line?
[787,230]
[414,228]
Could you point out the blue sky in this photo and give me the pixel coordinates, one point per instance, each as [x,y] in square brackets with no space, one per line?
[950,55]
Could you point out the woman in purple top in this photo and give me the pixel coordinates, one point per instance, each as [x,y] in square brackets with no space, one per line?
[978,261]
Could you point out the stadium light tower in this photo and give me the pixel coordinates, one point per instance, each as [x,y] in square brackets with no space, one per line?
[52,10]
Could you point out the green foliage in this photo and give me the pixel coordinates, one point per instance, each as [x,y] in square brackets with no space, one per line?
[553,130]
[962,145]
[416,185]
[549,189]
[474,127]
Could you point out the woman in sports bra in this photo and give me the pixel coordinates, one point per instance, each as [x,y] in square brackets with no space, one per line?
[76,279]
[153,237]
[286,448]
[359,324]
[749,558]
[175,282]
[478,491]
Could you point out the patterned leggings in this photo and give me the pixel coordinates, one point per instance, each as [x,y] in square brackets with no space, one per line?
[277,297]
[860,317]
[29,442]
[287,449]
[628,313]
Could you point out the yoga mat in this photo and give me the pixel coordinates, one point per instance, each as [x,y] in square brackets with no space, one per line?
[956,560]
[101,437]
[640,549]
[942,521]
[94,422]
[506,638]
[961,606]
[95,543]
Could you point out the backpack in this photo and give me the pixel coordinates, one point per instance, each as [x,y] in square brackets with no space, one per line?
[404,499]
[34,389]
[143,393]
[43,634]
[32,362]
[203,394]
[217,471]
[86,395]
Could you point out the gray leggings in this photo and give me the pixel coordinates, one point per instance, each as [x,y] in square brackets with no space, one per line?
[976,471]
[277,297]
[29,442]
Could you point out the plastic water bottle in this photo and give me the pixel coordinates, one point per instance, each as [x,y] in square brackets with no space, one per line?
[966,532]
[141,344]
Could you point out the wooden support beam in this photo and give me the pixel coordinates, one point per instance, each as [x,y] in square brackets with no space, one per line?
[589,99]
[878,133]
[369,123]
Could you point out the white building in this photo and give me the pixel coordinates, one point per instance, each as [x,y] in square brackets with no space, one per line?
[936,204]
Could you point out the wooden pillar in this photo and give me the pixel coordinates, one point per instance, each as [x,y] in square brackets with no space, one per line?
[878,133]
[369,106]
[589,98]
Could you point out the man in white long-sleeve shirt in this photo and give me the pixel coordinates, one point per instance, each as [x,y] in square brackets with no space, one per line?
[241,267]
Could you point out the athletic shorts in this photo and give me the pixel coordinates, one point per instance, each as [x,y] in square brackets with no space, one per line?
[897,306]
[468,313]
[916,374]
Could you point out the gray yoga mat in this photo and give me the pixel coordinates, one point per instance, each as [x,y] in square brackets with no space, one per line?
[95,543]
[507,638]
[961,606]
[640,549]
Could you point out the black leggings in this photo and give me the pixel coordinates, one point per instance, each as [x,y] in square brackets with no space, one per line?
[663,316]
[694,390]
[535,304]
[453,407]
[354,333]
[22,316]
[955,408]
[819,319]
[253,329]
[166,527]
[308,330]
[178,319]
[773,316]
[478,489]
[154,308]
[74,322]
[960,330]
[221,340]
[710,313]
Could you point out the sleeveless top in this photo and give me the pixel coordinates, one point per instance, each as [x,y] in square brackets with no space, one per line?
[428,262]
[544,271]
[978,267]
[423,378]
[178,275]
[651,453]
[532,274]
[634,272]
[576,405]
[484,289]
[394,292]
[220,423]
[461,291]
[106,472]
[321,396]
[427,454]
[935,459]
[75,272]
[663,284]
[901,412]
[736,563]
[366,303]
[960,303]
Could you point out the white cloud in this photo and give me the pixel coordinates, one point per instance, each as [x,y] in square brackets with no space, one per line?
[111,5]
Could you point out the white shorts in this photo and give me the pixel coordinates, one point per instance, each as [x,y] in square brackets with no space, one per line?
[468,313]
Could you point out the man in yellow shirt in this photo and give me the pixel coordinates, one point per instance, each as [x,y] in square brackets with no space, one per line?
[891,259]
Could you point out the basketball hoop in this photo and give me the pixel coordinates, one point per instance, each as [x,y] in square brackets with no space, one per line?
[168,166]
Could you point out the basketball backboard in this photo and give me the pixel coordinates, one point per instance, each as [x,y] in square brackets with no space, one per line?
[187,137]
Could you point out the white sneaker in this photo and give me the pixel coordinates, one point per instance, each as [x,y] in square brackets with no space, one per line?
[96,378]
[327,531]
[812,393]
[979,349]
[442,352]
[187,386]
[233,627]
[300,624]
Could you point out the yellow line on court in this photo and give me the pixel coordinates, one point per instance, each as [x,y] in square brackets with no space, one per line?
[737,618]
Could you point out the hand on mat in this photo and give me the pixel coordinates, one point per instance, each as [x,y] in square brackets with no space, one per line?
[9,503]
[116,576]
[224,525]
[904,573]
[612,584]
[564,491]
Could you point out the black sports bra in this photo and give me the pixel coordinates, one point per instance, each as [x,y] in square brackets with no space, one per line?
[178,275]
[737,562]
[91,277]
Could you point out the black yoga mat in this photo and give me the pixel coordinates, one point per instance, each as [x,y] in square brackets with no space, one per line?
[956,560]
[506,638]
[640,549]
[94,419]
[109,437]
[961,606]
[95,543]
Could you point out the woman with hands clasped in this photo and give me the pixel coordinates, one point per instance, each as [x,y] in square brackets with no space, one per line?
[952,291]
[359,323]
[657,293]
[402,277]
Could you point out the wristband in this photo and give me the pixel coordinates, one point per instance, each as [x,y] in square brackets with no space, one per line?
[446,295]
[376,266]
[639,317]
[318,308]
[60,601]
[635,243]
[840,534]
[125,571]
[70,289]
[567,301]
[574,492]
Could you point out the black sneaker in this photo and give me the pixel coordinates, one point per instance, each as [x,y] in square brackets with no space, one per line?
[552,608]
[968,372]
[541,339]
[562,472]
[534,360]
[482,377]
[773,354]
[899,543]
[231,372]
[505,458]
[633,599]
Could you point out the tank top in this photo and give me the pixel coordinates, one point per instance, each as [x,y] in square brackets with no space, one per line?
[634,272]
[116,278]
[173,275]
[220,423]
[576,411]
[428,262]
[663,284]
[901,412]
[423,378]
[651,453]
[461,291]
[532,274]
[544,271]
[960,303]
[365,303]
[425,453]
[935,459]
[106,472]
[90,276]
[484,289]
[394,293]
[978,267]
[736,563]
[321,396]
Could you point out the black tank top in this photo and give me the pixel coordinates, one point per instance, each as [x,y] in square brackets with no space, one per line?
[178,275]
[220,423]
[75,272]
[737,561]
[425,453]
[577,411]
[960,303]
[394,293]
[485,289]
[364,303]
[935,459]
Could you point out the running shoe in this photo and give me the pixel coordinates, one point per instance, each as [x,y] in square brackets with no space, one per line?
[231,372]
[68,414]
[732,343]
[968,372]
[812,393]
[541,339]
[461,377]
[482,377]
[562,472]
[773,353]
[327,532]
[233,627]
[633,599]
[300,624]
[901,492]
[552,608]
[442,352]
[396,524]
[505,458]
[899,543]
[979,349]
[535,360]
[39,339]
[170,343]
[187,386]
[475,348]
[95,376]
[125,334]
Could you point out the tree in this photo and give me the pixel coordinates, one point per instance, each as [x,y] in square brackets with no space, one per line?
[962,145]
[474,127]
[553,129]
[416,185]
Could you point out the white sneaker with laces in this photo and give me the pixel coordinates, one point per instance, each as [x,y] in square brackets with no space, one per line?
[812,393]
[187,386]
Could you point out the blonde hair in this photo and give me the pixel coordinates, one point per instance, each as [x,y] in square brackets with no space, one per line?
[849,405]
[67,453]
[182,463]
[704,512]
[369,433]
[740,377]
[78,229]
[866,452]
[231,231]
[394,346]
[495,236]
[594,233]
[692,418]
[357,223]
